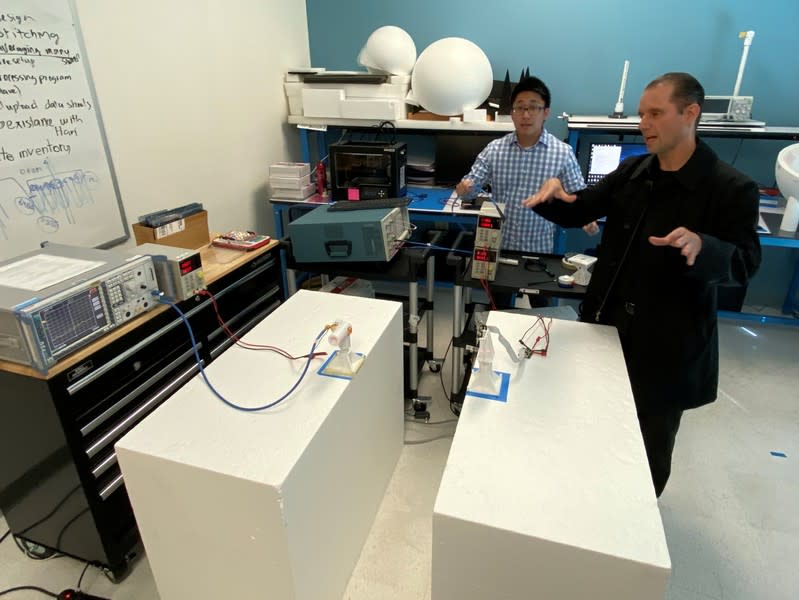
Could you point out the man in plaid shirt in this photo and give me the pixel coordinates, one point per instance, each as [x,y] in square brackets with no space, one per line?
[516,166]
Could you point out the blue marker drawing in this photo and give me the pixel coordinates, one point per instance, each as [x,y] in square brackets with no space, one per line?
[63,191]
[48,224]
[3,222]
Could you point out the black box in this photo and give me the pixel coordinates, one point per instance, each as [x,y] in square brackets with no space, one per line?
[367,170]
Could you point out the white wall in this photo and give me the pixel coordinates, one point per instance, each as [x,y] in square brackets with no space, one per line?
[192,100]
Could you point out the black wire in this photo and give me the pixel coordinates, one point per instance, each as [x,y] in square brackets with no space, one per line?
[26,550]
[68,523]
[80,579]
[441,371]
[737,151]
[32,588]
[452,403]
[5,535]
[529,283]
[542,267]
[380,130]
[52,512]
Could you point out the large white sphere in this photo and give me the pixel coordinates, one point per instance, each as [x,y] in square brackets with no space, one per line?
[451,75]
[389,50]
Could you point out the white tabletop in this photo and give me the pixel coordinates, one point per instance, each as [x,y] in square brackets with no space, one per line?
[195,428]
[562,459]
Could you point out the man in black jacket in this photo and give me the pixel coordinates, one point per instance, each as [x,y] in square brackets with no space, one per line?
[680,222]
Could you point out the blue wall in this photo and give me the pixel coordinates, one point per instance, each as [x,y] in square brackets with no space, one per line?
[578,48]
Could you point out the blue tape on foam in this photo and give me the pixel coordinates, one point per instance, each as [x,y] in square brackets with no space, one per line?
[502,396]
[321,370]
[779,454]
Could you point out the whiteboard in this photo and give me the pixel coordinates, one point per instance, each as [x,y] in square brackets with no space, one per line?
[57,182]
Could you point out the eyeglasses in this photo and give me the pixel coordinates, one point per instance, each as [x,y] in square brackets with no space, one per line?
[532,109]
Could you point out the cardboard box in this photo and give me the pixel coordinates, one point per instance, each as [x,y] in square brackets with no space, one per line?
[191,232]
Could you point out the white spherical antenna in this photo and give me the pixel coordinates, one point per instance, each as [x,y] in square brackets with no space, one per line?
[388,50]
[451,75]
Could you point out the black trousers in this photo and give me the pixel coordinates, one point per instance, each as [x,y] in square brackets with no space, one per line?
[659,424]
[659,430]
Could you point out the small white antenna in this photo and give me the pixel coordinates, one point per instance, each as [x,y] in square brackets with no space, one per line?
[747,36]
[618,112]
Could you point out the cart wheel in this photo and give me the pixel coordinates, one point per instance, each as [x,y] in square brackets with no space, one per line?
[33,550]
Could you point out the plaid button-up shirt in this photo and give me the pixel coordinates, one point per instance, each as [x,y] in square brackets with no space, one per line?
[515,173]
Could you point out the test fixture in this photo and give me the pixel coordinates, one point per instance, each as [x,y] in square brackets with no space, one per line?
[367,235]
[179,271]
[57,299]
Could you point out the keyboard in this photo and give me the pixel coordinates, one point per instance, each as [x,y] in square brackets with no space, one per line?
[368,204]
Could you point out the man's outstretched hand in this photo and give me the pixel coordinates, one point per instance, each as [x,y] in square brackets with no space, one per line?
[689,243]
[552,189]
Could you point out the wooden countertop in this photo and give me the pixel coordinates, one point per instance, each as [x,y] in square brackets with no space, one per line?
[217,262]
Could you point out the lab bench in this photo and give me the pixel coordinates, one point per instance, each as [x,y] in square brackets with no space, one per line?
[60,484]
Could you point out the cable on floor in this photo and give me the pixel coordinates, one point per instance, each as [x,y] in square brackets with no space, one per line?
[438,437]
[418,422]
[32,588]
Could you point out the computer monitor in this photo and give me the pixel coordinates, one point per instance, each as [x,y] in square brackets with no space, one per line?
[605,157]
[455,154]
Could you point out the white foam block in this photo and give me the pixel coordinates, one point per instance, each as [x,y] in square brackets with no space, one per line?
[476,115]
[322,103]
[274,504]
[549,494]
[372,108]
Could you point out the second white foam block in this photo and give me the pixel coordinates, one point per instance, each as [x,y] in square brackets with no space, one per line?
[278,503]
[548,495]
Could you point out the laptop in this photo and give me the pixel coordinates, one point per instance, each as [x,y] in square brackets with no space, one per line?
[605,157]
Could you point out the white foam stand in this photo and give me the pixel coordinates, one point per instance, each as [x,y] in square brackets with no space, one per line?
[548,495]
[485,380]
[274,504]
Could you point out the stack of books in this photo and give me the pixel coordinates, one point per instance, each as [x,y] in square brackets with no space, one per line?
[291,180]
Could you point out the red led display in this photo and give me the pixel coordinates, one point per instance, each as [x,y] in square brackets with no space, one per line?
[481,254]
[487,223]
[186,266]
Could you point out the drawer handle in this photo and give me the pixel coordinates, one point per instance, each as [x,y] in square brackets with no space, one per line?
[111,487]
[107,463]
[136,415]
[107,414]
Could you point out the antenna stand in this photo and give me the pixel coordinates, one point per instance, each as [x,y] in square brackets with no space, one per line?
[618,111]
[747,36]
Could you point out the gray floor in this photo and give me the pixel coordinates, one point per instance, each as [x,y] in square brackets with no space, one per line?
[729,510]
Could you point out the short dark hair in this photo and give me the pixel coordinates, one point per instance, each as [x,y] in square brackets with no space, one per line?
[687,90]
[532,84]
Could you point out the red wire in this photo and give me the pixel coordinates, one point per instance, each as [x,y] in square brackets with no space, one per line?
[247,345]
[532,349]
[487,290]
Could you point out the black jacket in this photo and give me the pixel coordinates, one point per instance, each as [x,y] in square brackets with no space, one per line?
[664,310]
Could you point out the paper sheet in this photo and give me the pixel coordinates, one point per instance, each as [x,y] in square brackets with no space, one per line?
[43,270]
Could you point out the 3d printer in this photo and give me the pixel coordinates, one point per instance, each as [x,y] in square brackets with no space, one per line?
[367,170]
